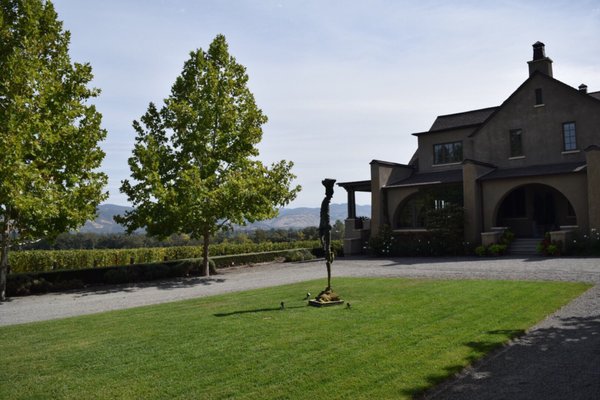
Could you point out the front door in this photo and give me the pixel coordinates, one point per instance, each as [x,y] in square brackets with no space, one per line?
[544,213]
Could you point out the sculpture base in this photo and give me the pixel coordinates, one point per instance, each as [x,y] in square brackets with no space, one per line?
[326,298]
[317,303]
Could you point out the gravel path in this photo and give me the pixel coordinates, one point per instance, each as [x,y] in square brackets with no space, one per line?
[557,359]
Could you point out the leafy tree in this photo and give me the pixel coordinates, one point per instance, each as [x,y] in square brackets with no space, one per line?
[310,233]
[337,230]
[48,134]
[194,168]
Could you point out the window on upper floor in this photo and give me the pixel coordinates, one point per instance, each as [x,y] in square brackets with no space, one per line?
[569,136]
[539,100]
[516,143]
[446,153]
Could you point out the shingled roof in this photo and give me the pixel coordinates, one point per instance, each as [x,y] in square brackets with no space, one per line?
[595,95]
[535,170]
[430,178]
[460,120]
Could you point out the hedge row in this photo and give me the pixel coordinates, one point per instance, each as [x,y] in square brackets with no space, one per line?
[52,281]
[49,260]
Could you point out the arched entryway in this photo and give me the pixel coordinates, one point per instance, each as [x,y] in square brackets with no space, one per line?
[411,212]
[534,209]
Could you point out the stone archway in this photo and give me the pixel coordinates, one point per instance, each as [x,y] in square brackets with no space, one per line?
[412,209]
[530,210]
[410,213]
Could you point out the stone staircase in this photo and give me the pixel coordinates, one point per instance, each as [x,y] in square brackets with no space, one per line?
[524,247]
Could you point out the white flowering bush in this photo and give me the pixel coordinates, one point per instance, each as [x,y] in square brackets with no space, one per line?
[585,245]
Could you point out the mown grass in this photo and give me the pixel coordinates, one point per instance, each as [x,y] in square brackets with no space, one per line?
[399,337]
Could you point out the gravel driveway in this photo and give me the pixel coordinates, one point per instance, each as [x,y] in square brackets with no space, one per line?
[557,359]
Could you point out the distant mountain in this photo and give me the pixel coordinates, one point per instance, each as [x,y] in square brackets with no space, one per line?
[295,218]
[304,216]
[104,222]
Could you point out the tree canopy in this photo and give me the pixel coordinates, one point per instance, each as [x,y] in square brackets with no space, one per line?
[194,166]
[48,133]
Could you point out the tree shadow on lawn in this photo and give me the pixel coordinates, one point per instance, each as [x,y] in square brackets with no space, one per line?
[559,362]
[171,284]
[395,261]
[256,310]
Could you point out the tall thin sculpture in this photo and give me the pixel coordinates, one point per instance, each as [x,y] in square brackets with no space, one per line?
[327,296]
[325,227]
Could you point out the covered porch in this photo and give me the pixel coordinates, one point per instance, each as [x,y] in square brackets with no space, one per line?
[357,229]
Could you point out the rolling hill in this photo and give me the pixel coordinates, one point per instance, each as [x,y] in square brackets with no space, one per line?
[288,218]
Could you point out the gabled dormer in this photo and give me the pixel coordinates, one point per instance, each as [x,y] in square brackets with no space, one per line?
[445,145]
[543,122]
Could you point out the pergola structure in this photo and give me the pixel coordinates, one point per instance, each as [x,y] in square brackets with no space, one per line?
[351,189]
[357,231]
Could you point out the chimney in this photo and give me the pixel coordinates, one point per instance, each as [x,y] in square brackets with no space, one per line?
[540,62]
[583,88]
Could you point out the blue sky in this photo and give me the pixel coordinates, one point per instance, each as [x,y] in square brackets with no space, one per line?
[342,82]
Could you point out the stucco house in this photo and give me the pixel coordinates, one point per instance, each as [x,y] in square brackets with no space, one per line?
[531,164]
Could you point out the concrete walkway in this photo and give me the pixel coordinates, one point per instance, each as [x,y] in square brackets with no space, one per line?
[558,359]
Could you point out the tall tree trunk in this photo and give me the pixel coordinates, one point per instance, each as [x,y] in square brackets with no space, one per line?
[4,238]
[205,267]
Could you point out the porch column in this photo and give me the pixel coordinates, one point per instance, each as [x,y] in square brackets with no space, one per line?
[472,203]
[473,199]
[351,204]
[592,157]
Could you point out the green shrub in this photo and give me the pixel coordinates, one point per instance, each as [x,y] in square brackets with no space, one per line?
[507,237]
[549,248]
[480,251]
[52,281]
[553,250]
[443,236]
[250,258]
[299,255]
[497,249]
[585,245]
[58,280]
[49,260]
[423,243]
[493,250]
[117,275]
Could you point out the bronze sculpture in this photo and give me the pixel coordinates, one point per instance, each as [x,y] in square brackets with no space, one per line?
[327,296]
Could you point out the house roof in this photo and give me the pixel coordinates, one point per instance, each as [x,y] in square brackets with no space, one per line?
[495,111]
[455,175]
[357,186]
[429,178]
[478,118]
[535,170]
[468,118]
[460,120]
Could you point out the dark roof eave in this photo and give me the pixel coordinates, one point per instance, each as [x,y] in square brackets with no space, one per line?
[429,178]
[447,129]
[536,170]
[358,186]
[476,162]
[390,164]
[416,184]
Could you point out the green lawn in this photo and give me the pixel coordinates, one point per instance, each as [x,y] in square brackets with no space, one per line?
[399,337]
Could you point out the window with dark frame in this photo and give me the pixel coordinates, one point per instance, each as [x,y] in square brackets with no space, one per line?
[539,100]
[439,204]
[446,153]
[569,136]
[516,143]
